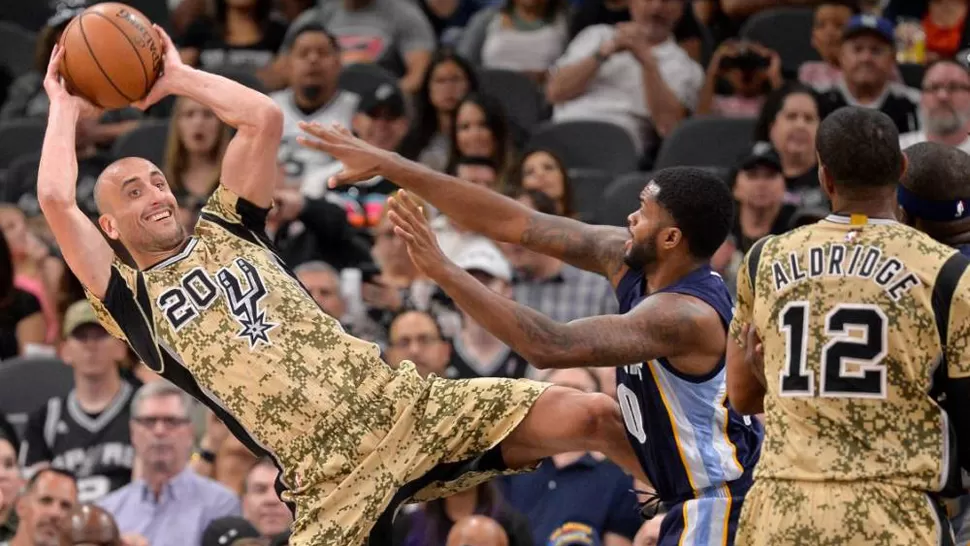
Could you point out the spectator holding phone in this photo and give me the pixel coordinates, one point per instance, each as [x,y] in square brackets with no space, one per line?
[738,78]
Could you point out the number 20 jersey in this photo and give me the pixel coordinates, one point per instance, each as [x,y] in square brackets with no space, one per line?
[850,313]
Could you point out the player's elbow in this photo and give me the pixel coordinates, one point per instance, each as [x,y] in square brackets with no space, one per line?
[53,200]
[270,119]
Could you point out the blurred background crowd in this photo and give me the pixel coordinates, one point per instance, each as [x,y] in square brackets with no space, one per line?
[564,105]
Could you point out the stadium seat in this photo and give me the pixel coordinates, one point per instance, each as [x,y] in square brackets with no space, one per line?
[588,187]
[620,198]
[706,142]
[520,97]
[912,74]
[26,383]
[20,137]
[588,145]
[17,53]
[147,141]
[364,78]
[788,31]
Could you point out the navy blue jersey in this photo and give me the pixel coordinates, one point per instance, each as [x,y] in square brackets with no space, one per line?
[686,435]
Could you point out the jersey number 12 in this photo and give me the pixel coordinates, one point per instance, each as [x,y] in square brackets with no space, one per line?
[855,335]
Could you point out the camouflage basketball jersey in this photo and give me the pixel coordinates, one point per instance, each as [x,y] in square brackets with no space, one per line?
[847,310]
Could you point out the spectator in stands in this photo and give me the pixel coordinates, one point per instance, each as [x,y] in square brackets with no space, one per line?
[228,531]
[391,33]
[476,352]
[944,107]
[261,505]
[416,336]
[525,36]
[477,531]
[479,129]
[313,95]
[452,237]
[323,283]
[478,170]
[169,504]
[448,18]
[430,524]
[580,494]
[634,74]
[448,79]
[759,189]
[43,508]
[688,32]
[221,456]
[196,142]
[30,265]
[86,430]
[868,60]
[549,285]
[540,169]
[239,35]
[745,72]
[10,479]
[22,323]
[944,24]
[830,18]
[789,120]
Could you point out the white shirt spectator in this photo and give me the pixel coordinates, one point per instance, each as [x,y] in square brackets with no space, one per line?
[915,137]
[616,93]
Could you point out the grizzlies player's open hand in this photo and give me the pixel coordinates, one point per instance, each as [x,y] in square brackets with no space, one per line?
[411,225]
[360,160]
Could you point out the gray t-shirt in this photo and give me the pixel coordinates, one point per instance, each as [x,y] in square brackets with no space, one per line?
[381,32]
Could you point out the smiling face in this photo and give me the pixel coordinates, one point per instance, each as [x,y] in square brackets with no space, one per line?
[138,208]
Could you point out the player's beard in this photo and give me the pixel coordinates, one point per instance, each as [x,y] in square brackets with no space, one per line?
[641,256]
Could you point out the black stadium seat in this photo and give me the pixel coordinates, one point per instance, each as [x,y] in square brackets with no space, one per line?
[520,97]
[363,79]
[146,141]
[17,52]
[588,145]
[706,142]
[20,137]
[26,383]
[588,187]
[788,31]
[621,198]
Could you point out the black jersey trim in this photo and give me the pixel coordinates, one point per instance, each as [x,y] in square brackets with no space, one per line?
[754,258]
[178,257]
[133,317]
[239,230]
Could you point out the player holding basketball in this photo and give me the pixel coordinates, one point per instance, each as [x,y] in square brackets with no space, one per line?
[865,323]
[218,314]
[668,344]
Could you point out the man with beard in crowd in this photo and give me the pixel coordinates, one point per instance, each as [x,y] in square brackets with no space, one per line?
[944,107]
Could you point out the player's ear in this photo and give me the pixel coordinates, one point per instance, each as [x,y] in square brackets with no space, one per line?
[904,218]
[671,237]
[108,226]
[825,181]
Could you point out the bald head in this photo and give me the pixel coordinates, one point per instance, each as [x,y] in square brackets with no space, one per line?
[89,525]
[477,531]
[116,174]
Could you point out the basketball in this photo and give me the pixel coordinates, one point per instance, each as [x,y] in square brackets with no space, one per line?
[112,55]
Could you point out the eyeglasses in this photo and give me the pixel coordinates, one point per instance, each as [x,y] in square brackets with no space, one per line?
[424,340]
[951,88]
[169,422]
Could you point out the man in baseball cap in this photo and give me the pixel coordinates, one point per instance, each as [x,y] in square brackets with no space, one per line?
[759,189]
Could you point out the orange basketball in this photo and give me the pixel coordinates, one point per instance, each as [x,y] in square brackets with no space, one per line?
[112,55]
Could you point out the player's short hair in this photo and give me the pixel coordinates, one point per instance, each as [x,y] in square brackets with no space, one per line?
[35,477]
[937,172]
[700,204]
[859,147]
[158,389]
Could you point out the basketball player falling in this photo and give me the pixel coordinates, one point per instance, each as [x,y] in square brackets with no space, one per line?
[217,313]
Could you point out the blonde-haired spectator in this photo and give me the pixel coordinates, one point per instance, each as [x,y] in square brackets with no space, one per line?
[197,140]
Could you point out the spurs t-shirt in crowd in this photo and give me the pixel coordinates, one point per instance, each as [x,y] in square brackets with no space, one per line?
[206,36]
[95,447]
[463,365]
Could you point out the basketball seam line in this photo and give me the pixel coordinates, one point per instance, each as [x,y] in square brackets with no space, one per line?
[84,36]
[144,71]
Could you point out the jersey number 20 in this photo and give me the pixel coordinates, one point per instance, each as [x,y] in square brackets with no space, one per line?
[856,336]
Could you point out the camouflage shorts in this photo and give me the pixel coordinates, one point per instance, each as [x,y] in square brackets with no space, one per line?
[781,512]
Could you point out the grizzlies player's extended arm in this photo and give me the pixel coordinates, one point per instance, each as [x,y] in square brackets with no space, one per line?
[599,249]
[84,249]
[668,325]
[249,167]
[745,384]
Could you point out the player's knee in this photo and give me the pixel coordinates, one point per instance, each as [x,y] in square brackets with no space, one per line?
[601,415]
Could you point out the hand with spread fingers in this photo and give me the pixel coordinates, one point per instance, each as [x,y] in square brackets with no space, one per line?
[167,83]
[411,226]
[360,160]
[57,90]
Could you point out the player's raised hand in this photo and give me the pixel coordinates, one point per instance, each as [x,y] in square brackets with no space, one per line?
[57,92]
[361,161]
[171,69]
[411,226]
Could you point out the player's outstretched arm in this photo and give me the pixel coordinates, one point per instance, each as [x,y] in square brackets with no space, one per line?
[594,248]
[249,166]
[85,250]
[664,325]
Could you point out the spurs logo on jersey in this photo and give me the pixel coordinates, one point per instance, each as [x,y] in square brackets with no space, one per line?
[847,314]
[197,291]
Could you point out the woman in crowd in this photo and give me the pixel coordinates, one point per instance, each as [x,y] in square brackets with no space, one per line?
[10,479]
[541,169]
[479,129]
[21,320]
[197,140]
[430,524]
[33,271]
[789,120]
[448,79]
[524,36]
[239,35]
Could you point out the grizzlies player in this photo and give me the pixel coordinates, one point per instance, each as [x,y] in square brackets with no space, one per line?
[669,341]
[220,316]
[864,325]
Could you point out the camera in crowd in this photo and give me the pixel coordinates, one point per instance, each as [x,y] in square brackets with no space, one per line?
[744,59]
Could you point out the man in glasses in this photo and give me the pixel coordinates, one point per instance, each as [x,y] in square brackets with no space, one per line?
[944,108]
[169,503]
